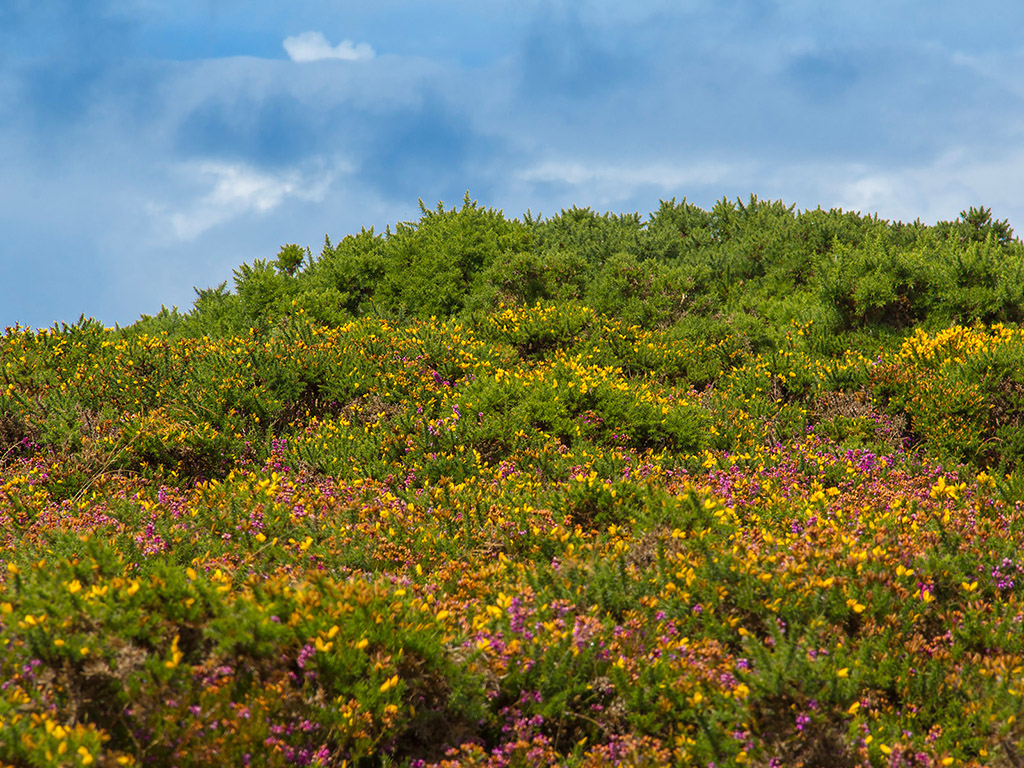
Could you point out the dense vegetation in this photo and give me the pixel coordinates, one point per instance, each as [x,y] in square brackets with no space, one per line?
[738,486]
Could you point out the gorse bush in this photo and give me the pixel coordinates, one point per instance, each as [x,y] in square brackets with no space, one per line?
[527,277]
[728,487]
[761,263]
[646,293]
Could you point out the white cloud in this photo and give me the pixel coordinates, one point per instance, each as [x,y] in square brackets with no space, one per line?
[313,46]
[940,190]
[608,184]
[630,176]
[933,191]
[235,189]
[1001,68]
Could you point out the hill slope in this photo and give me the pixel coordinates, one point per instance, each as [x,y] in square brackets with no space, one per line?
[732,487]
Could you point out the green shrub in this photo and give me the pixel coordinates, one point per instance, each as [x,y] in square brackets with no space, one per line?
[344,281]
[541,329]
[879,284]
[643,292]
[591,236]
[527,277]
[429,266]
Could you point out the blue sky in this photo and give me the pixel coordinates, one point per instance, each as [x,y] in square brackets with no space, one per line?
[147,147]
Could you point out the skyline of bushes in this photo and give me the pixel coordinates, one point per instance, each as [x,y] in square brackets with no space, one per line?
[749,264]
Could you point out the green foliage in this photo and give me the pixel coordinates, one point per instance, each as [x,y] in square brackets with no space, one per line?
[676,230]
[879,285]
[216,312]
[594,237]
[430,266]
[724,486]
[762,264]
[541,329]
[342,283]
[263,293]
[290,258]
[976,225]
[646,293]
[960,392]
[985,282]
[528,277]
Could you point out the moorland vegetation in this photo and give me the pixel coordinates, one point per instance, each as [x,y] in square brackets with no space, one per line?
[741,486]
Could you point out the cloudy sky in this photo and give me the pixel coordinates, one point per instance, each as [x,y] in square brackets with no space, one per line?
[147,147]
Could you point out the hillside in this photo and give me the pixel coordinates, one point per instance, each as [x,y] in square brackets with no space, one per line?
[738,486]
